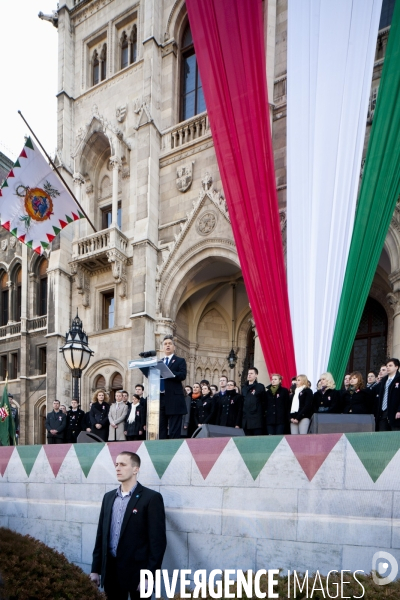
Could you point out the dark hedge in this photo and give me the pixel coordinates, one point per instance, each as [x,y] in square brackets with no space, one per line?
[30,570]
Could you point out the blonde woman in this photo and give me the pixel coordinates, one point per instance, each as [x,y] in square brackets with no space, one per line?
[99,414]
[302,406]
[326,398]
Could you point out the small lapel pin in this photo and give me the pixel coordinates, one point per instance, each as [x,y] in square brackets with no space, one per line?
[134,511]
[137,496]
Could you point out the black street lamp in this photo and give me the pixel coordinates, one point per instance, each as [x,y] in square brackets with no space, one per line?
[76,353]
[232,358]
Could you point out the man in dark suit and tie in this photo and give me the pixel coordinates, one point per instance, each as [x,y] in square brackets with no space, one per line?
[387,398]
[130,535]
[172,396]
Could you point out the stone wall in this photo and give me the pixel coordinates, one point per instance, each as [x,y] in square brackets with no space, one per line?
[296,502]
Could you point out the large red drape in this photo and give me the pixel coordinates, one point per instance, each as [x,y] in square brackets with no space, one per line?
[229,42]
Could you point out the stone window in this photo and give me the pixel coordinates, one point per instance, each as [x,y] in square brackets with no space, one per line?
[116,384]
[14,366]
[4,299]
[100,383]
[18,295]
[96,68]
[106,216]
[386,13]
[108,312]
[42,288]
[3,366]
[99,64]
[42,360]
[192,97]
[124,51]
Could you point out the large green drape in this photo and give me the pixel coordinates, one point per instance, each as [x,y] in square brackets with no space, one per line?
[379,193]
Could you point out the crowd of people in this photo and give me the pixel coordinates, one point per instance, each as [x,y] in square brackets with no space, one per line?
[258,410]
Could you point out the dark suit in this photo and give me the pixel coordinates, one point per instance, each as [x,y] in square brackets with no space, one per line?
[56,421]
[172,401]
[386,421]
[141,545]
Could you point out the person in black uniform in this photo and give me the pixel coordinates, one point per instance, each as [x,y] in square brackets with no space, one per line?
[276,406]
[357,400]
[99,414]
[86,424]
[253,404]
[327,399]
[229,407]
[387,398]
[75,417]
[172,398]
[56,422]
[204,407]
[135,420]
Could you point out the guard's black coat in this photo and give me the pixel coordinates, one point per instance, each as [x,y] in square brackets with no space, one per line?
[142,541]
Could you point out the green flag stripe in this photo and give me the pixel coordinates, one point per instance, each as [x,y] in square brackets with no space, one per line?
[380,189]
[14,232]
[28,143]
[256,451]
[28,456]
[56,230]
[375,450]
[87,454]
[162,452]
[5,184]
[29,243]
[16,164]
[68,219]
[44,244]
[81,215]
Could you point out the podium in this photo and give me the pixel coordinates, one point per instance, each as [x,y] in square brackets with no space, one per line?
[154,370]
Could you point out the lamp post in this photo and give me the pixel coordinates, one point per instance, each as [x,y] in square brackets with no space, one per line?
[232,356]
[76,353]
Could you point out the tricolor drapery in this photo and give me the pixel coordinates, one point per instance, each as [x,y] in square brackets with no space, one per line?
[380,189]
[229,42]
[331,49]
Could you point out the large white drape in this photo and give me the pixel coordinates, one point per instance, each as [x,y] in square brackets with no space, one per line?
[331,47]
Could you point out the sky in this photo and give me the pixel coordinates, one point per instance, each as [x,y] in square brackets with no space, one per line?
[28,50]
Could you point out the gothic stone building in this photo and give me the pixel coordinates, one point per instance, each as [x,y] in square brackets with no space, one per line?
[135,143]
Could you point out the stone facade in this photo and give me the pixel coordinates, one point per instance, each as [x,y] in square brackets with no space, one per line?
[163,254]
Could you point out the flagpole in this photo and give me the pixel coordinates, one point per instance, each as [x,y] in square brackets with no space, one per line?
[56,169]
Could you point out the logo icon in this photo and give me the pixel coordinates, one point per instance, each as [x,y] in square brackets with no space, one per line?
[384,568]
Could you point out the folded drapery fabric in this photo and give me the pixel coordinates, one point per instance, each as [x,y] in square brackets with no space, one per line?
[229,42]
[331,46]
[379,192]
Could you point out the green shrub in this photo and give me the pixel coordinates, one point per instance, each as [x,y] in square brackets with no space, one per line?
[30,570]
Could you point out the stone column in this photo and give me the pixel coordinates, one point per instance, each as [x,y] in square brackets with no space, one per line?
[394,301]
[116,165]
[24,355]
[78,183]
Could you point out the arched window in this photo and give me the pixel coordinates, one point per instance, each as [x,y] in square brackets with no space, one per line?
[192,97]
[124,51]
[100,383]
[370,346]
[18,295]
[103,62]
[42,288]
[96,68]
[4,299]
[116,384]
[386,13]
[133,45]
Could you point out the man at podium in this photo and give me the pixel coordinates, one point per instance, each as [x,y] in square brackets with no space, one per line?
[172,398]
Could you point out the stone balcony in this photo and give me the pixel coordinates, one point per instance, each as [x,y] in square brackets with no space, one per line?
[106,248]
[94,251]
[191,130]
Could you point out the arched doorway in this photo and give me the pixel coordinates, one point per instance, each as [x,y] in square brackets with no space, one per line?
[370,346]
